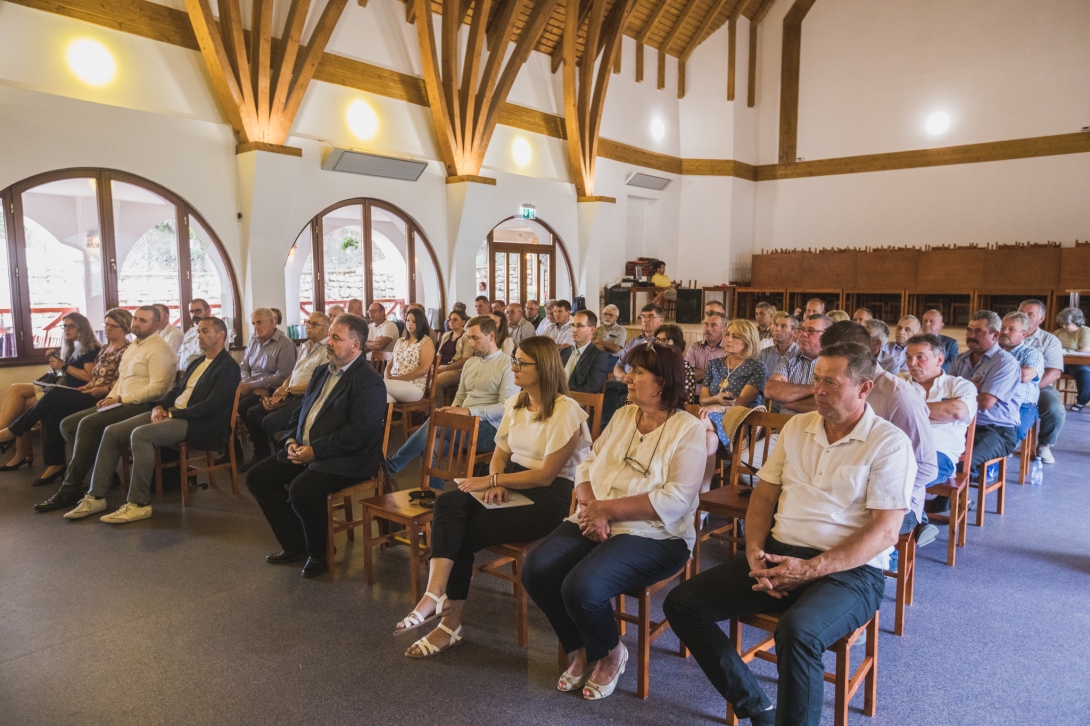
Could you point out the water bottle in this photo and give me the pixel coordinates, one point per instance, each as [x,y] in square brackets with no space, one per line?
[992,474]
[1036,473]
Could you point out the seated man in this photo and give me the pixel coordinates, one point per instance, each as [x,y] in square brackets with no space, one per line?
[839,481]
[763,317]
[585,366]
[814,306]
[715,305]
[951,403]
[932,324]
[518,327]
[862,315]
[382,332]
[651,318]
[487,381]
[334,440]
[610,336]
[907,326]
[481,305]
[168,332]
[547,319]
[710,347]
[267,362]
[1012,338]
[190,349]
[1050,404]
[272,413]
[792,384]
[784,330]
[559,326]
[355,307]
[879,342]
[197,410]
[145,373]
[533,313]
[997,377]
[667,287]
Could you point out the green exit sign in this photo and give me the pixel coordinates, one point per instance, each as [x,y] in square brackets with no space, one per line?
[528,211]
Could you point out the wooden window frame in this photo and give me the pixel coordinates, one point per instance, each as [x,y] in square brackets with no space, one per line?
[553,247]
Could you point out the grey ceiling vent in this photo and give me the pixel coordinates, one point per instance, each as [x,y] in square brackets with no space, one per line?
[647,181]
[357,162]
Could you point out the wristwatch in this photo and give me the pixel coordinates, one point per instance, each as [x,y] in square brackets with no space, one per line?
[169,414]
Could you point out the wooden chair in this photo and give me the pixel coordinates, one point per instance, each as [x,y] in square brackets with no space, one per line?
[905,574]
[647,630]
[956,488]
[425,404]
[186,469]
[592,404]
[984,489]
[845,682]
[1067,389]
[379,359]
[461,433]
[1027,453]
[342,500]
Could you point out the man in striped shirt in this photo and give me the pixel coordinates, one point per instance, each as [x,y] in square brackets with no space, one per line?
[792,385]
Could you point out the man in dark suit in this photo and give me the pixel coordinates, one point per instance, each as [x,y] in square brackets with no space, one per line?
[586,365]
[333,441]
[197,410]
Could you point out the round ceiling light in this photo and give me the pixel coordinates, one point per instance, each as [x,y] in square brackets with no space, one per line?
[937,123]
[362,119]
[90,62]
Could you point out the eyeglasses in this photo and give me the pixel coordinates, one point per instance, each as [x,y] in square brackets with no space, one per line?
[581,325]
[518,364]
[635,465]
[811,331]
[315,325]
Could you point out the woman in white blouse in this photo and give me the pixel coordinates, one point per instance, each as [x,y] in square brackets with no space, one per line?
[407,375]
[542,438]
[637,493]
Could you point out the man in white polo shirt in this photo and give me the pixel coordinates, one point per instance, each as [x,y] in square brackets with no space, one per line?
[839,481]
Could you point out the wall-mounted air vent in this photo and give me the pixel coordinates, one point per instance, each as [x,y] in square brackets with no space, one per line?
[357,162]
[647,181]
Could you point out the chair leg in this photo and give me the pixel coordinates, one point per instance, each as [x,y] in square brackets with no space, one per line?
[183,473]
[840,686]
[368,563]
[521,606]
[561,656]
[964,524]
[211,470]
[899,601]
[643,646]
[981,496]
[953,530]
[621,624]
[348,517]
[414,559]
[870,684]
[1001,500]
[329,549]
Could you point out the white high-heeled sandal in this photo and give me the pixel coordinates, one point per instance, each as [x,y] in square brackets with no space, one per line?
[568,682]
[594,692]
[428,649]
[414,619]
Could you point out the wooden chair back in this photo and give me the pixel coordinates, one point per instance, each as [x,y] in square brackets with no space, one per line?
[592,404]
[753,436]
[433,371]
[459,432]
[966,458]
[380,359]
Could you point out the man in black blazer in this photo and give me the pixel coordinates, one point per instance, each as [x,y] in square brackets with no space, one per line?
[333,440]
[588,372]
[197,410]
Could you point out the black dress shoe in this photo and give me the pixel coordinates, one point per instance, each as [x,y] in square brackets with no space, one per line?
[284,557]
[42,481]
[314,567]
[60,500]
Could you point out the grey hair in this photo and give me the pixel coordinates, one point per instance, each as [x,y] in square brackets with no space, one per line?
[910,317]
[994,323]
[877,329]
[1020,317]
[1034,301]
[792,320]
[264,314]
[716,314]
[861,364]
[765,306]
[611,309]
[1070,316]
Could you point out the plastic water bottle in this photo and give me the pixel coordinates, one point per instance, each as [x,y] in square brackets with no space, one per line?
[992,473]
[1036,473]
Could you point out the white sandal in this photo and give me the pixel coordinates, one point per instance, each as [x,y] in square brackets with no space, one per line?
[594,692]
[414,620]
[568,682]
[427,649]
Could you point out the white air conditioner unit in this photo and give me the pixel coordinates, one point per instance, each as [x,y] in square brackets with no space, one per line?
[387,167]
[646,181]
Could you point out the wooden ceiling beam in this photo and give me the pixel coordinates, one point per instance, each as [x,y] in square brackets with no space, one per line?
[286,52]
[758,16]
[697,39]
[305,67]
[449,148]
[732,43]
[558,50]
[225,84]
[789,79]
[665,47]
[641,38]
[261,57]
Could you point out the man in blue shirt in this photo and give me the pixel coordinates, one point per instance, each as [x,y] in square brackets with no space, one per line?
[998,377]
[1012,339]
[932,324]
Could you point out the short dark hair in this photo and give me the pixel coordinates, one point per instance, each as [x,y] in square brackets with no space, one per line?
[653,308]
[164,311]
[460,312]
[421,320]
[563,305]
[459,305]
[666,363]
[861,364]
[155,314]
[762,306]
[484,322]
[217,324]
[592,319]
[818,316]
[673,333]
[479,298]
[717,302]
[845,332]
[200,301]
[357,327]
[929,340]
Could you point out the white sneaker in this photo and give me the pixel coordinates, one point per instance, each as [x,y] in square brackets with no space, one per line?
[86,507]
[1045,455]
[129,512]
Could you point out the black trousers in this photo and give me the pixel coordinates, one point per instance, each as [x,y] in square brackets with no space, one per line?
[51,408]
[277,422]
[245,403]
[815,616]
[462,527]
[992,442]
[292,497]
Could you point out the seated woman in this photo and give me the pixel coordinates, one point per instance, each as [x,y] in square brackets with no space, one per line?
[57,402]
[735,380]
[453,354]
[667,287]
[71,368]
[1075,336]
[503,339]
[407,375]
[542,438]
[673,335]
[636,495]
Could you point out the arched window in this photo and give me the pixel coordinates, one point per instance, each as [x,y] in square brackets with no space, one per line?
[87,240]
[362,249]
[522,260]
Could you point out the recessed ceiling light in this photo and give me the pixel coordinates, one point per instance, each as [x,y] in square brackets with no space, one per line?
[658,129]
[937,123]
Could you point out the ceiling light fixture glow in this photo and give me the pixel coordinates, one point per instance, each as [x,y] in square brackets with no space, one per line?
[937,123]
[362,119]
[658,129]
[522,152]
[90,62]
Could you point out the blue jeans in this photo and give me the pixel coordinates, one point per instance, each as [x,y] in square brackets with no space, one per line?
[814,616]
[946,469]
[1081,374]
[414,448]
[1028,414]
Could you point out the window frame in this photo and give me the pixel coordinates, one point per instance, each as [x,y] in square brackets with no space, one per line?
[11,197]
[413,230]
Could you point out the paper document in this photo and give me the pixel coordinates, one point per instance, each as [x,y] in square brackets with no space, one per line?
[107,408]
[514,499]
[43,384]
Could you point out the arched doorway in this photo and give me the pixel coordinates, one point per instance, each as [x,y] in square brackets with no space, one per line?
[523,259]
[366,249]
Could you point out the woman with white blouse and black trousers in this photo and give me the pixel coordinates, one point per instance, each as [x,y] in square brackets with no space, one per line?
[541,439]
[637,493]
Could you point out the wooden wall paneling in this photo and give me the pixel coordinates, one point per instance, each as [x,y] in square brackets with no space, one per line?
[778,271]
[745,299]
[886,270]
[828,270]
[955,270]
[1035,267]
[1075,267]
[765,270]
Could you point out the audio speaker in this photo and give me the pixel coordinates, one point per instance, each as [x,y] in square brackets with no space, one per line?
[622,298]
[689,310]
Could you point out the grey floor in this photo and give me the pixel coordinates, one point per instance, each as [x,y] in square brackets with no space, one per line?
[177,619]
